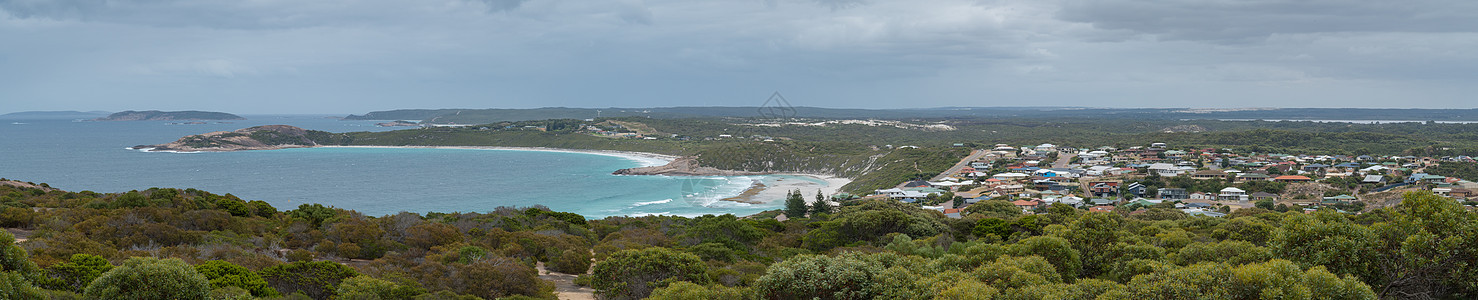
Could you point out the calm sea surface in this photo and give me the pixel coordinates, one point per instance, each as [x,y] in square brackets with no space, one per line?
[80,156]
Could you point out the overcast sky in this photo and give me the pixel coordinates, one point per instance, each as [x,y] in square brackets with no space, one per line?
[342,56]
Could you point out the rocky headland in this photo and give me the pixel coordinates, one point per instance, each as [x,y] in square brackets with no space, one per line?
[684,166]
[266,137]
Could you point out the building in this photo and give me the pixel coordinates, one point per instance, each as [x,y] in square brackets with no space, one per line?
[1292,178]
[1173,193]
[1209,174]
[1231,193]
[1258,196]
[1104,188]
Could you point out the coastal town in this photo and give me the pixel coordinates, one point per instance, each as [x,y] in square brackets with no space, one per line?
[1161,177]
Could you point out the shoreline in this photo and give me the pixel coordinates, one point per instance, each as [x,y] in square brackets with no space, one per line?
[645,158]
[774,191]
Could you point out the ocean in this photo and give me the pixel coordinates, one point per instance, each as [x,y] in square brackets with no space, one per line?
[79,156]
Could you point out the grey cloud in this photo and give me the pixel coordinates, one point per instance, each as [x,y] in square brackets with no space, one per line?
[358,55]
[1244,21]
[841,4]
[502,5]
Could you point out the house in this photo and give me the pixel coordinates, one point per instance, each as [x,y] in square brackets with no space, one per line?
[1253,177]
[1045,148]
[1010,188]
[1292,178]
[1202,196]
[1315,168]
[1426,178]
[1209,174]
[1202,212]
[1461,193]
[1101,208]
[1258,196]
[1071,201]
[903,195]
[1173,193]
[1231,193]
[1102,201]
[1104,188]
[1341,199]
[1027,205]
[1373,179]
[1135,189]
[1144,202]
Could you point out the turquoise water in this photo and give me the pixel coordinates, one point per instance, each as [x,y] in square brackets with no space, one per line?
[376,181]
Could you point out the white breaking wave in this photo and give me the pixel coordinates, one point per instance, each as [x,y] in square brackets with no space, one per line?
[651,202]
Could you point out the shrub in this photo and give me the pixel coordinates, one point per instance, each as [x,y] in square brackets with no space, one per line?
[75,273]
[316,279]
[224,274]
[571,262]
[365,287]
[633,274]
[164,279]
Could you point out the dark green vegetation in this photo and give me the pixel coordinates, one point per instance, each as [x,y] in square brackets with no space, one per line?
[1455,169]
[1424,248]
[153,115]
[480,116]
[873,154]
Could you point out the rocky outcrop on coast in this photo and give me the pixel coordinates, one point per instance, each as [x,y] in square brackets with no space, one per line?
[267,137]
[685,166]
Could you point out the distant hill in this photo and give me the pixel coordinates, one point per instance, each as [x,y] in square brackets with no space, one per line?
[154,115]
[50,115]
[480,116]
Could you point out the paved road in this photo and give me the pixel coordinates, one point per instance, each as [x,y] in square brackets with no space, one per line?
[1064,159]
[961,165]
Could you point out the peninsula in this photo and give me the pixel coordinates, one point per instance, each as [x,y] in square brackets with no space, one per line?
[266,137]
[154,115]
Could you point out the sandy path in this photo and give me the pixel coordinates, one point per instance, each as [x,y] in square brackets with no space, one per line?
[564,285]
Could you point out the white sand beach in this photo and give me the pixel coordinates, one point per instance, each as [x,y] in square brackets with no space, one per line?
[775,190]
[646,159]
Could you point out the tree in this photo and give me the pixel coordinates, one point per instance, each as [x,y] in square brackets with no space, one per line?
[223,274]
[315,214]
[150,278]
[1231,252]
[994,209]
[1055,250]
[316,279]
[1265,204]
[819,276]
[75,273]
[1275,279]
[1095,236]
[633,274]
[992,227]
[795,205]
[1428,250]
[16,270]
[821,206]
